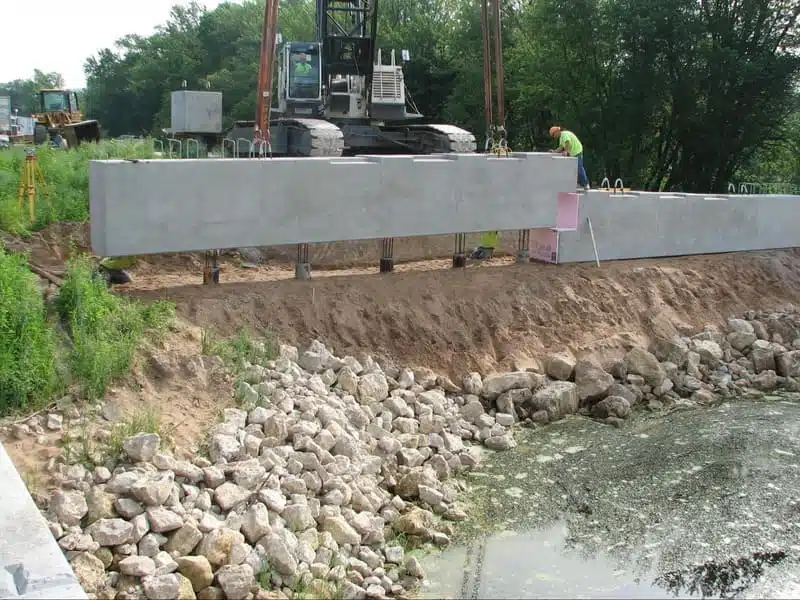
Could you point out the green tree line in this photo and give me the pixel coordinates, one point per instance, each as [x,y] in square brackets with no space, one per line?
[682,95]
[24,93]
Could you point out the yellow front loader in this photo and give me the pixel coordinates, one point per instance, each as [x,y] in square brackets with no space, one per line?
[59,115]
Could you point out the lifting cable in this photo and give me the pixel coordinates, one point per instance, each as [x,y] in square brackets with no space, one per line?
[496,141]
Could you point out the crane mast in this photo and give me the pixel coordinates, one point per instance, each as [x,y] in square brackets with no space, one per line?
[347,30]
[266,67]
[495,127]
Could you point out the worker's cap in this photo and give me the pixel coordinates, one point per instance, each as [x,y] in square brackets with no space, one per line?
[554,130]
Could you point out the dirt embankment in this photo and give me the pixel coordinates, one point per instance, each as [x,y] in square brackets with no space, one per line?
[494,317]
[169,379]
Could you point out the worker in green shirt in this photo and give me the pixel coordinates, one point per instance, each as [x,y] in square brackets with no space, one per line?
[302,66]
[489,241]
[570,145]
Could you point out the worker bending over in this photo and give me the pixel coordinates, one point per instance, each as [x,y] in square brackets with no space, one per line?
[489,241]
[570,145]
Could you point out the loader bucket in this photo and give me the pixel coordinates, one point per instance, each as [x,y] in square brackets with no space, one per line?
[84,131]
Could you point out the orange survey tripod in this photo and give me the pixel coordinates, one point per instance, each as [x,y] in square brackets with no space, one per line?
[31,173]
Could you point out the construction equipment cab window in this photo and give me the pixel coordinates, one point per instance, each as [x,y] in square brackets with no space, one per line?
[304,75]
[57,100]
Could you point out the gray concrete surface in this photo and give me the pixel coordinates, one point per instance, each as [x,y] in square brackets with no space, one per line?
[31,563]
[150,207]
[196,112]
[644,225]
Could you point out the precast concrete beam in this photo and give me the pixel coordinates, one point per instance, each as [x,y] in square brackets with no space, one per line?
[651,224]
[31,563]
[155,206]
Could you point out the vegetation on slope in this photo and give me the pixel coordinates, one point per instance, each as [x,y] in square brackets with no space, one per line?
[104,328]
[27,340]
[85,343]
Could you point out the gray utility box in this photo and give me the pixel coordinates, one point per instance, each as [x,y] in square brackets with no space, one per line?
[196,112]
[5,113]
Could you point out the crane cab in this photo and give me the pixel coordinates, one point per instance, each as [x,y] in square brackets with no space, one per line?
[300,79]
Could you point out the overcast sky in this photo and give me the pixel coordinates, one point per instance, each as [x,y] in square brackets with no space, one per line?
[52,35]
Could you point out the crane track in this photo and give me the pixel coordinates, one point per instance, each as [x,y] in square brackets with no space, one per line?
[452,138]
[321,138]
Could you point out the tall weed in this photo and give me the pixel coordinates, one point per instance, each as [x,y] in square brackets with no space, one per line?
[27,342]
[105,329]
[65,194]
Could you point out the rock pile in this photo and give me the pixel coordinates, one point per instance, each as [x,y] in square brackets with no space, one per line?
[330,466]
[311,486]
[755,354]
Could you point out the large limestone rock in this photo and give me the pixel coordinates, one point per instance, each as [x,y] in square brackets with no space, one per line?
[557,398]
[560,366]
[495,385]
[641,362]
[592,381]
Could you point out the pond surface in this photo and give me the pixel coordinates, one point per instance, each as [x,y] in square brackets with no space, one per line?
[699,503]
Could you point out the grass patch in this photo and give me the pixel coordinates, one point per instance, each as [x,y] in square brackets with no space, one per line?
[100,333]
[28,375]
[144,421]
[80,445]
[239,352]
[65,195]
[264,575]
[84,446]
[105,329]
[241,348]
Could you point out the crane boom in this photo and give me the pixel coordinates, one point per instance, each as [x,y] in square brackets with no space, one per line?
[266,67]
[495,128]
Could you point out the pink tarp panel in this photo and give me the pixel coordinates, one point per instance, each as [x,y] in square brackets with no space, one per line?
[544,241]
[544,245]
[567,215]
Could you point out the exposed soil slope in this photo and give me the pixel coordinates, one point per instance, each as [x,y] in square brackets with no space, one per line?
[425,314]
[492,316]
[170,379]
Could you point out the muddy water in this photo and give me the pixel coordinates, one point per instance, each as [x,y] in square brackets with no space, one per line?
[697,503]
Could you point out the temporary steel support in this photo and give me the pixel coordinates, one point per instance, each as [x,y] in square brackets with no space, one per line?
[211,268]
[460,251]
[387,255]
[523,246]
[302,268]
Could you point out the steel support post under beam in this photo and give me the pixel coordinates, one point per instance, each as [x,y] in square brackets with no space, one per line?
[523,246]
[460,252]
[387,255]
[302,268]
[211,267]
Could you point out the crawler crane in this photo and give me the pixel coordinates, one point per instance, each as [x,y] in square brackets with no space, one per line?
[335,94]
